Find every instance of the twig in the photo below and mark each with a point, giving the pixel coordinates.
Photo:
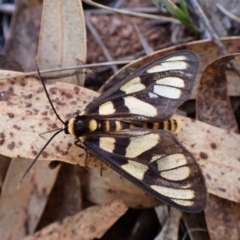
(148, 50)
(227, 13)
(135, 14)
(22, 74)
(100, 42)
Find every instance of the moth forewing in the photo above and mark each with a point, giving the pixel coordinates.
(159, 87)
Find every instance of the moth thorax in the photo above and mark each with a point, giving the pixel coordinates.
(81, 125)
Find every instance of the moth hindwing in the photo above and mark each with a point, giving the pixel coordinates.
(128, 128)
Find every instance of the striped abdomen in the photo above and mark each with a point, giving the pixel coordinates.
(172, 124)
(80, 126)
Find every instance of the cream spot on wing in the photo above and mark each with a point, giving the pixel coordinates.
(135, 169)
(171, 161)
(177, 174)
(166, 66)
(139, 107)
(152, 95)
(107, 144)
(174, 192)
(171, 81)
(82, 113)
(139, 145)
(186, 203)
(156, 157)
(177, 58)
(92, 125)
(133, 85)
(106, 108)
(187, 185)
(82, 138)
(169, 92)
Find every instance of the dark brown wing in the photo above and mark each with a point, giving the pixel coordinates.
(156, 162)
(150, 94)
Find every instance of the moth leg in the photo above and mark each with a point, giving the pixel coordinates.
(78, 143)
(85, 161)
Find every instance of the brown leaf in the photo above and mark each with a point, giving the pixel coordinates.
(214, 107)
(62, 37)
(22, 207)
(90, 223)
(65, 197)
(213, 104)
(21, 45)
(26, 112)
(196, 227)
(223, 219)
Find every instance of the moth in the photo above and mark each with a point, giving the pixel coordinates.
(130, 129)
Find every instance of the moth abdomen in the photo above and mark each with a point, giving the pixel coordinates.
(82, 125)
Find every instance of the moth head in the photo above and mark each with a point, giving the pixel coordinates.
(68, 126)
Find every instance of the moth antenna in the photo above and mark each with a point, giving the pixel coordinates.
(53, 130)
(46, 92)
(36, 158)
(51, 138)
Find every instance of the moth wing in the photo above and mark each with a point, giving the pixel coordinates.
(151, 93)
(156, 162)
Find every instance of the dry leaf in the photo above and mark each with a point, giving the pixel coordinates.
(65, 198)
(24, 103)
(22, 207)
(23, 49)
(62, 40)
(213, 105)
(195, 225)
(162, 213)
(223, 219)
(90, 223)
(21, 45)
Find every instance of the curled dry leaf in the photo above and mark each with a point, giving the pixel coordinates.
(214, 107)
(26, 113)
(90, 223)
(213, 104)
